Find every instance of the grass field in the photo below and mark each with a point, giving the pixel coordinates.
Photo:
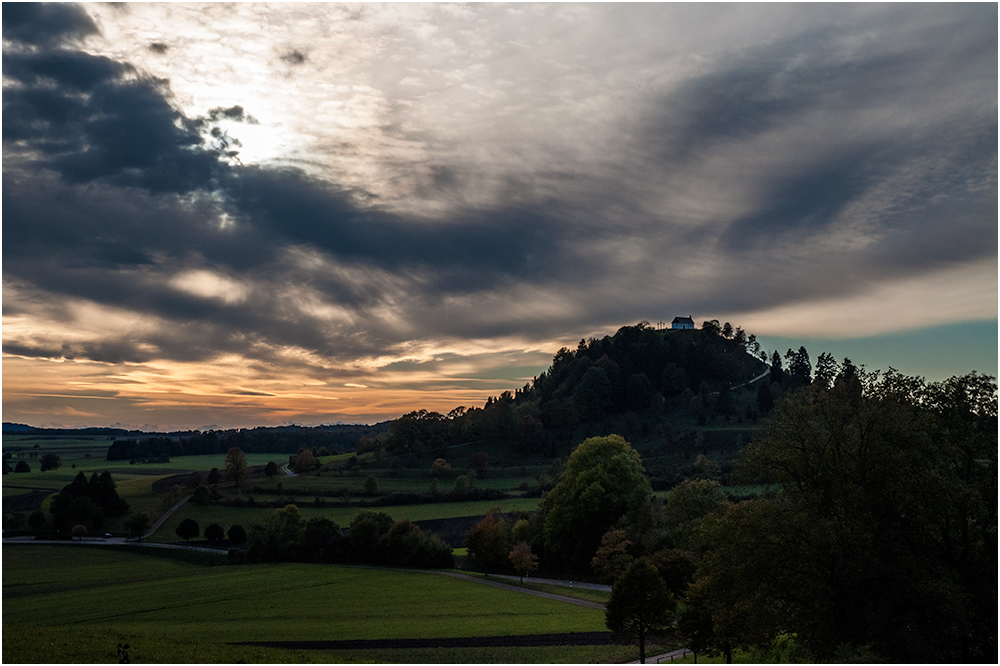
(74, 603)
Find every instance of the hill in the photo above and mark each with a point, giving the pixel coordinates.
(675, 394)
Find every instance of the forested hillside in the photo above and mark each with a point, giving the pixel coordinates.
(675, 393)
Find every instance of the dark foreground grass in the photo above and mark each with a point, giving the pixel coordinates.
(76, 603)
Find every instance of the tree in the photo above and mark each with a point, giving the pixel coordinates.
(603, 482)
(271, 469)
(50, 461)
(371, 485)
(237, 534)
(439, 468)
(79, 531)
(36, 520)
(320, 539)
(137, 524)
(612, 558)
(523, 560)
(188, 529)
(688, 504)
(777, 373)
(478, 461)
(236, 466)
(365, 530)
(21, 467)
(826, 370)
(799, 366)
(214, 532)
(279, 538)
(214, 476)
(201, 495)
(305, 461)
(489, 541)
(593, 394)
(640, 605)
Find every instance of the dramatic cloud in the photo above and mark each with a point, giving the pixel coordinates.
(318, 212)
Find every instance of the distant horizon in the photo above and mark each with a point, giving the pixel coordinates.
(260, 214)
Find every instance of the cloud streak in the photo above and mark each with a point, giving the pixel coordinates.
(349, 190)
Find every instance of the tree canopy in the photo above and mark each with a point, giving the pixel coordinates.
(603, 483)
(640, 604)
(236, 465)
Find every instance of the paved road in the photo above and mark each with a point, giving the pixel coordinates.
(665, 657)
(546, 595)
(554, 581)
(163, 518)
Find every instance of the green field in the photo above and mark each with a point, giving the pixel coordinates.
(72, 603)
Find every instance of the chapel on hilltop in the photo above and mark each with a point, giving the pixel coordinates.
(682, 323)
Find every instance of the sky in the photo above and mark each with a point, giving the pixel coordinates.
(230, 215)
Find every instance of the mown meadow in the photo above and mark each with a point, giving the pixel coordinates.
(75, 603)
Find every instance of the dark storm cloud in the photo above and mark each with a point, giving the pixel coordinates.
(45, 24)
(466, 251)
(89, 118)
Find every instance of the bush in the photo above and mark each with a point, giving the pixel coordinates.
(188, 529)
(237, 534)
(214, 532)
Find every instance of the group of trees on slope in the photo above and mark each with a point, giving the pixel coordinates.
(81, 502)
(879, 544)
(638, 369)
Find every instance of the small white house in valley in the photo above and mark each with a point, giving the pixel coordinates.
(682, 323)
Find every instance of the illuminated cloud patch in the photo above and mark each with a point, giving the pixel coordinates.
(320, 212)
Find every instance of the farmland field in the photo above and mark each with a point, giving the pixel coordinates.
(74, 603)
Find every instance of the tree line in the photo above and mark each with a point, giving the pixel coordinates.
(373, 537)
(323, 440)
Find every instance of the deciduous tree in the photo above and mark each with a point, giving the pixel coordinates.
(50, 461)
(603, 483)
(640, 605)
(188, 529)
(523, 560)
(236, 465)
(237, 534)
(613, 556)
(489, 541)
(214, 532)
(137, 524)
